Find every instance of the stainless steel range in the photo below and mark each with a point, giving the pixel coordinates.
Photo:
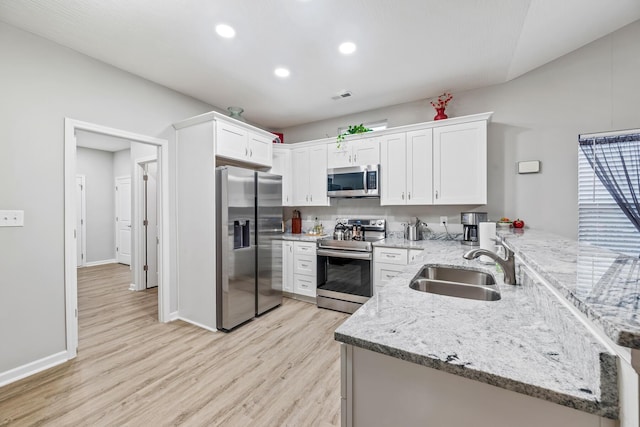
(345, 266)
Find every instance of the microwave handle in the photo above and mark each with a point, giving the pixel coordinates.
(364, 181)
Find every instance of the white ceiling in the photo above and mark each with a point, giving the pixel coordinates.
(407, 49)
(98, 141)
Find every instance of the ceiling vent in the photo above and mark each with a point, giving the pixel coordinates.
(343, 94)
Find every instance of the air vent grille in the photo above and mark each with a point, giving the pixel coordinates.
(341, 95)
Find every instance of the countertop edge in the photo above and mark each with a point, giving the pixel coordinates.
(617, 332)
(595, 407)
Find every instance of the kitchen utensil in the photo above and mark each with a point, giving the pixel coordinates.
(411, 232)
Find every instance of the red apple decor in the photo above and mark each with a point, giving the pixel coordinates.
(518, 223)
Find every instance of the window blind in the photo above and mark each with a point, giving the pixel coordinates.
(601, 222)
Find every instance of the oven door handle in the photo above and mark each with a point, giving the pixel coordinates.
(345, 254)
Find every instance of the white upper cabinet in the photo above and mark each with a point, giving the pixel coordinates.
(309, 178)
(406, 168)
(433, 163)
(238, 143)
(393, 170)
(460, 164)
(419, 167)
(282, 166)
(357, 152)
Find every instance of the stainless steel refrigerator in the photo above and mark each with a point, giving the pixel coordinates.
(248, 245)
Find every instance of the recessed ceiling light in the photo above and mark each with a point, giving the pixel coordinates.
(347, 48)
(282, 72)
(225, 31)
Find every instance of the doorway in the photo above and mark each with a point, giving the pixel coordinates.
(123, 219)
(71, 231)
(146, 178)
(81, 233)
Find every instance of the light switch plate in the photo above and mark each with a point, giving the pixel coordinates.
(531, 166)
(11, 218)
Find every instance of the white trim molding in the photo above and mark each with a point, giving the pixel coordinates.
(70, 276)
(34, 367)
(200, 325)
(101, 262)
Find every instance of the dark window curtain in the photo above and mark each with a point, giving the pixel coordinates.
(616, 162)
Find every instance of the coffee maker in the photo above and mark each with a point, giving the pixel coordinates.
(470, 221)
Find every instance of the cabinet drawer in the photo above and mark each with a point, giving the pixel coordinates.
(304, 285)
(304, 264)
(304, 248)
(385, 272)
(390, 255)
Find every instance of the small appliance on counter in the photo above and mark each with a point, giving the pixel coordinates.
(470, 221)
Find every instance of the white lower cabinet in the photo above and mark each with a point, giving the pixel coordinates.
(389, 262)
(287, 266)
(380, 390)
(299, 268)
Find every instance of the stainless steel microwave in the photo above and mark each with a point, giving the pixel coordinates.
(354, 181)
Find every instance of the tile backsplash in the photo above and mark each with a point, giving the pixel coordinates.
(396, 216)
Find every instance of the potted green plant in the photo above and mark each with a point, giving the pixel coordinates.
(352, 130)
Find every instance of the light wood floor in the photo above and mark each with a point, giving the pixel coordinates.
(281, 369)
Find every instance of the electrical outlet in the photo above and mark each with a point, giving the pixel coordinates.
(444, 220)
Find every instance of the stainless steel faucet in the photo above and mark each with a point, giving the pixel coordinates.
(508, 265)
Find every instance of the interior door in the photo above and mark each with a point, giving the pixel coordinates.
(151, 224)
(123, 220)
(80, 221)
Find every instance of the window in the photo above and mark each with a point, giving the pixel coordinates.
(379, 125)
(601, 221)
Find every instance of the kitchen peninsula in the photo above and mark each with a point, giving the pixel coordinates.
(450, 361)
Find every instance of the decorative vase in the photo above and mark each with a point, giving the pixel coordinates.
(441, 115)
(235, 113)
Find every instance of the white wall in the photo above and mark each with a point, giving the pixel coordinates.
(538, 116)
(98, 166)
(42, 83)
(122, 163)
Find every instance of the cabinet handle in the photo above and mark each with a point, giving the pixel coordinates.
(246, 151)
(354, 158)
(306, 197)
(409, 195)
(436, 194)
(403, 195)
(251, 152)
(311, 198)
(349, 158)
(290, 248)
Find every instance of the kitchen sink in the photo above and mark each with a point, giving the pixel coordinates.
(458, 275)
(456, 282)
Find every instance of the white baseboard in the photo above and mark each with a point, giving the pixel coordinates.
(32, 368)
(200, 325)
(103, 262)
(173, 316)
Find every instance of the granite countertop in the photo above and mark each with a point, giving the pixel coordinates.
(303, 237)
(505, 343)
(604, 285)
